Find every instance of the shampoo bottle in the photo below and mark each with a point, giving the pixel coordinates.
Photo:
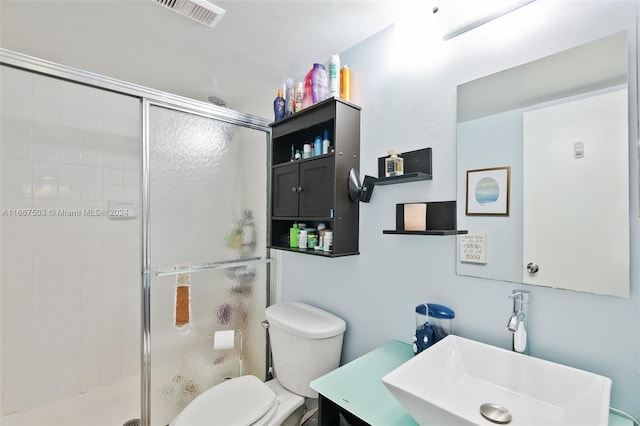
(278, 106)
(317, 146)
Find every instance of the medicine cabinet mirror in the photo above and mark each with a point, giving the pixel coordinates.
(561, 124)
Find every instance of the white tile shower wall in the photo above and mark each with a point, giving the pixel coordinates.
(70, 282)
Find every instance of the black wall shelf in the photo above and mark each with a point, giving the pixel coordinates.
(433, 232)
(417, 167)
(407, 177)
(440, 219)
(314, 252)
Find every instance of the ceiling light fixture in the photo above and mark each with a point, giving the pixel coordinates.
(459, 16)
(199, 10)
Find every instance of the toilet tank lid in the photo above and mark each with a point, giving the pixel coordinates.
(305, 320)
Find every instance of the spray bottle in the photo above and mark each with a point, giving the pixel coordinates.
(345, 83)
(288, 97)
(334, 76)
(299, 96)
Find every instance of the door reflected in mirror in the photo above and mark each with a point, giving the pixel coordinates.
(561, 124)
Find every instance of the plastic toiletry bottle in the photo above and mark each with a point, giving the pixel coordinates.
(312, 238)
(288, 97)
(299, 97)
(345, 83)
(317, 146)
(393, 165)
(293, 236)
(328, 240)
(307, 97)
(325, 142)
(297, 155)
(334, 76)
(306, 150)
(302, 239)
(293, 153)
(278, 106)
(319, 84)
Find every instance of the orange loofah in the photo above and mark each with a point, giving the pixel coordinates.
(182, 305)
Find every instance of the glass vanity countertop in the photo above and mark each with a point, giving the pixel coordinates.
(357, 387)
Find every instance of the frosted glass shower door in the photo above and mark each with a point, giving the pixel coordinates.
(207, 256)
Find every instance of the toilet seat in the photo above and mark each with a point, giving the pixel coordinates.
(240, 401)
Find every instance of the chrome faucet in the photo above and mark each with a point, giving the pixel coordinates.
(518, 322)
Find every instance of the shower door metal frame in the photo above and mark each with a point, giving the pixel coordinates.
(147, 272)
(149, 97)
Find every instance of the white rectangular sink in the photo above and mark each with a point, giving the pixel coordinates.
(447, 384)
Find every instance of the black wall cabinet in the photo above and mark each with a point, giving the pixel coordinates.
(315, 190)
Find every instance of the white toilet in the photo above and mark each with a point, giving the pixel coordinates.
(306, 343)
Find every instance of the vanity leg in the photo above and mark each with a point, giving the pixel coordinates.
(328, 412)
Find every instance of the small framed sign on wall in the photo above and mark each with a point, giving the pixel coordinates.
(473, 248)
(488, 191)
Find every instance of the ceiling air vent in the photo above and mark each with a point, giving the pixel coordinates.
(199, 10)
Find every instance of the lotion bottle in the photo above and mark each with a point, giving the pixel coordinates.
(317, 146)
(325, 142)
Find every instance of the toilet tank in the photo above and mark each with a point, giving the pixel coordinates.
(306, 343)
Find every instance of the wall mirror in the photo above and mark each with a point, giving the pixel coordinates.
(560, 126)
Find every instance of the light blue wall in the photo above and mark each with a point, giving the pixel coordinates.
(408, 102)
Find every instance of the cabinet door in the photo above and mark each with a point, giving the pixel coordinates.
(285, 190)
(317, 182)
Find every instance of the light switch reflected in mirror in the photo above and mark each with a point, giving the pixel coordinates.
(561, 124)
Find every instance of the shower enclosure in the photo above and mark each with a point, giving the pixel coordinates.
(133, 247)
(205, 267)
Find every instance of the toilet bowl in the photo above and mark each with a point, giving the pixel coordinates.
(306, 343)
